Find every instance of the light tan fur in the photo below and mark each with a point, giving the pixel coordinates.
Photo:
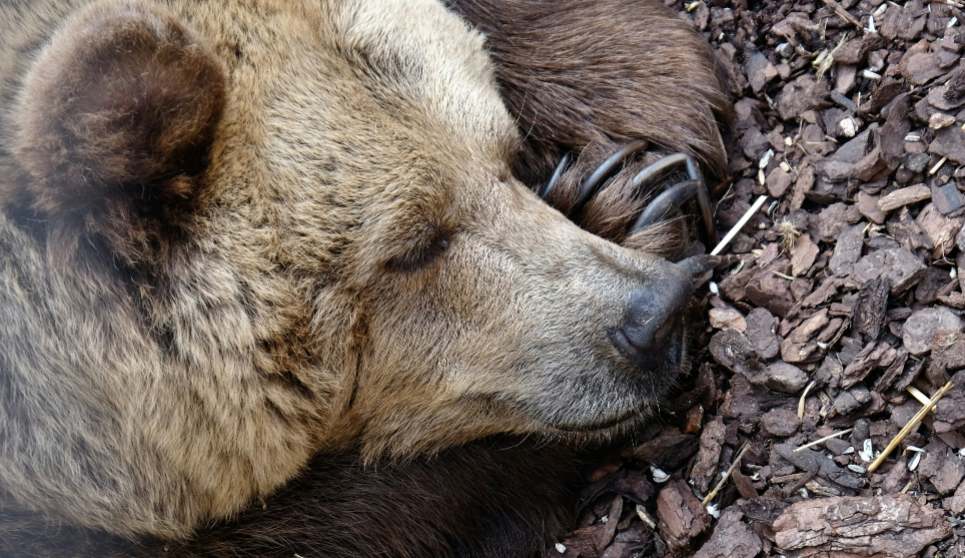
(176, 344)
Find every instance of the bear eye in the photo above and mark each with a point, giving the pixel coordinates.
(422, 254)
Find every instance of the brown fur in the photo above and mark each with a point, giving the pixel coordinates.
(587, 77)
(332, 258)
(647, 77)
(465, 503)
(90, 120)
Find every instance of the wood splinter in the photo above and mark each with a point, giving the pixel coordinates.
(917, 394)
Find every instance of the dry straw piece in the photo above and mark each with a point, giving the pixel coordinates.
(910, 427)
(822, 440)
(720, 484)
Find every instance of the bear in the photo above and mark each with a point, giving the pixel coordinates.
(289, 252)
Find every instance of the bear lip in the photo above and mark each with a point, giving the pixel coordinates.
(607, 424)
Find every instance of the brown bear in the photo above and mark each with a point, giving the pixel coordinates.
(277, 267)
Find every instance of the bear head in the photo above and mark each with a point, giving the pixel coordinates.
(273, 229)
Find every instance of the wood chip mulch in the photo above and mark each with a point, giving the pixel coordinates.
(843, 315)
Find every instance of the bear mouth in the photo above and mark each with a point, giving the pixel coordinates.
(628, 417)
(656, 383)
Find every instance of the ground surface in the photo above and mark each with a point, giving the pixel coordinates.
(849, 291)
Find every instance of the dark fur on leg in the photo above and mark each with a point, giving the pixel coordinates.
(589, 76)
(582, 72)
(493, 498)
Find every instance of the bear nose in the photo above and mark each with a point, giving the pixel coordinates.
(653, 315)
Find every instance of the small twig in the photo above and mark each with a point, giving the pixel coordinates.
(720, 484)
(645, 517)
(740, 225)
(799, 484)
(843, 13)
(822, 440)
(938, 165)
(910, 427)
(917, 394)
(802, 401)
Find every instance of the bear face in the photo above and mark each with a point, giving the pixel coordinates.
(258, 231)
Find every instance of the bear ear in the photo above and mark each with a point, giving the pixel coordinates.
(121, 105)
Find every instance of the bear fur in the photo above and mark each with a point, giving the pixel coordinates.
(285, 252)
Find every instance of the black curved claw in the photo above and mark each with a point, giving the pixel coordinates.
(657, 168)
(671, 198)
(597, 179)
(561, 167)
(677, 195)
(697, 265)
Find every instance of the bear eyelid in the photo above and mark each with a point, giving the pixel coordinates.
(422, 254)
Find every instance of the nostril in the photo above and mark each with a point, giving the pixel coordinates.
(651, 319)
(664, 332)
(650, 334)
(643, 345)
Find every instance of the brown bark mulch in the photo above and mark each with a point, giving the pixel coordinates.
(844, 314)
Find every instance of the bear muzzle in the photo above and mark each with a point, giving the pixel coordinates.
(651, 340)
(651, 333)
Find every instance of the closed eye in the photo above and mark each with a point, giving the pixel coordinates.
(422, 254)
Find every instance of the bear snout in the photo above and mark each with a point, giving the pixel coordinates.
(653, 319)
